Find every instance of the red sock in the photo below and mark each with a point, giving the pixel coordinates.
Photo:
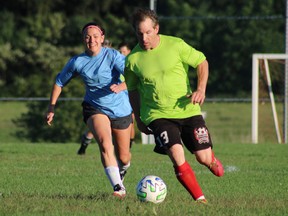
(187, 178)
(216, 167)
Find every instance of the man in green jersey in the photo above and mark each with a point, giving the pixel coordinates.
(156, 74)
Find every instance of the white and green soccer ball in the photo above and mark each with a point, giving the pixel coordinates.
(151, 189)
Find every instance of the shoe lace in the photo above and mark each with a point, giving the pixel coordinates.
(117, 187)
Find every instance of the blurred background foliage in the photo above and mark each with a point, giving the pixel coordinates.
(38, 37)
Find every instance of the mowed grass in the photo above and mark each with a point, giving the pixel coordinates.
(227, 122)
(9, 111)
(51, 179)
(231, 122)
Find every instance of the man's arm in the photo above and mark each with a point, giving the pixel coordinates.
(135, 103)
(198, 96)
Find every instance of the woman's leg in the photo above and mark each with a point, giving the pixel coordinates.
(122, 148)
(99, 125)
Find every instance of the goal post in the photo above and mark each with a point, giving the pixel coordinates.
(255, 93)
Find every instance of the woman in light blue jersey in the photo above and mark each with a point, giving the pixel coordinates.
(106, 107)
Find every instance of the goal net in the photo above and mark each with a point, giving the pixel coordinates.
(265, 67)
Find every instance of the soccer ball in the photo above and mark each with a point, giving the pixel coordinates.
(151, 189)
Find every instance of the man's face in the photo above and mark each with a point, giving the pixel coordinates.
(147, 34)
(124, 50)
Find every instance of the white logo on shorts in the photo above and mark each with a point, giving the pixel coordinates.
(201, 134)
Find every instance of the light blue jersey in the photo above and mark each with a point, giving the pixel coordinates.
(99, 73)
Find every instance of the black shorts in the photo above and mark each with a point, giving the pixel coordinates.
(192, 132)
(116, 123)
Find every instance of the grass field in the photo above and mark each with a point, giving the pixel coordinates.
(8, 111)
(227, 122)
(50, 179)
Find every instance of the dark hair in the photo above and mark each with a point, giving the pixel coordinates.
(141, 14)
(122, 44)
(93, 24)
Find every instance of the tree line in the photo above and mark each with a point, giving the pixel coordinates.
(37, 38)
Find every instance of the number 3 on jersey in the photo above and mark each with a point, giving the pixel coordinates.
(163, 138)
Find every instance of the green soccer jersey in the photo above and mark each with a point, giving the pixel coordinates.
(161, 77)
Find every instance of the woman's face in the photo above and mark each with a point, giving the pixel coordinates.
(93, 40)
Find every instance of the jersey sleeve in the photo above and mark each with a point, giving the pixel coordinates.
(130, 78)
(119, 63)
(190, 55)
(67, 73)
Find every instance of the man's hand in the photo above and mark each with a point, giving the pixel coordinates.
(197, 97)
(143, 128)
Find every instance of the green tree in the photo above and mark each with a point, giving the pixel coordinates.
(228, 32)
(37, 38)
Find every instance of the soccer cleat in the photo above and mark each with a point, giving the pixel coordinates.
(122, 175)
(84, 144)
(82, 149)
(202, 201)
(119, 191)
(131, 142)
(216, 167)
